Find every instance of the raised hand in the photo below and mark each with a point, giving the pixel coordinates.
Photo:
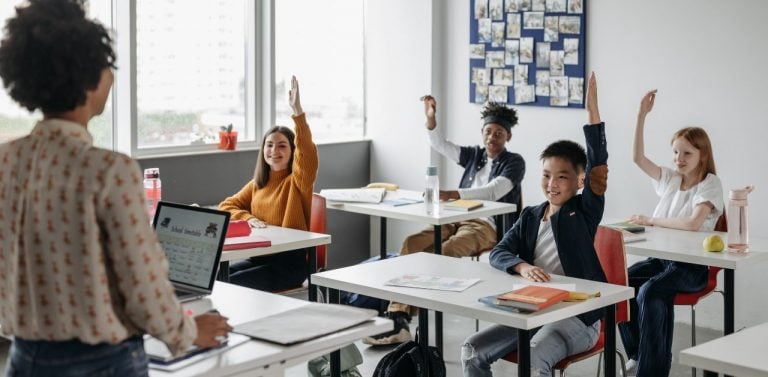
(293, 97)
(646, 104)
(592, 111)
(430, 110)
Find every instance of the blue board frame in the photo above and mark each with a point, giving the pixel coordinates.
(577, 70)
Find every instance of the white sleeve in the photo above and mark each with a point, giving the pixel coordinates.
(663, 183)
(493, 190)
(444, 147)
(710, 190)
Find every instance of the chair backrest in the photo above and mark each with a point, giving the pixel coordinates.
(720, 226)
(317, 224)
(609, 244)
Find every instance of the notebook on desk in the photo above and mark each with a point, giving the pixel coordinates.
(192, 239)
(161, 358)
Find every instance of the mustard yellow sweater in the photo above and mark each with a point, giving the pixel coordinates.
(287, 198)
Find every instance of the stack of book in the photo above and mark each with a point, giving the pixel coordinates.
(530, 299)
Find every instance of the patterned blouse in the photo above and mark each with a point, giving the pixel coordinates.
(78, 259)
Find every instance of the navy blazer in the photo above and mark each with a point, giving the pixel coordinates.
(573, 226)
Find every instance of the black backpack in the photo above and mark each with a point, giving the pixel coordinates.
(407, 360)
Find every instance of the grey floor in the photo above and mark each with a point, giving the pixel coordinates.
(457, 328)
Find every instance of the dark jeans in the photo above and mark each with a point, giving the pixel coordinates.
(648, 337)
(73, 358)
(276, 272)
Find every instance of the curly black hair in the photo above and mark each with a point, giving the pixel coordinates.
(52, 54)
(500, 112)
(569, 151)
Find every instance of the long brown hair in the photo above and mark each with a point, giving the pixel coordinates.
(699, 139)
(261, 175)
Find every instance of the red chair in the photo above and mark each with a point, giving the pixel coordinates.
(609, 244)
(317, 224)
(692, 298)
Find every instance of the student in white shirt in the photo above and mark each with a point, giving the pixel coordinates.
(691, 198)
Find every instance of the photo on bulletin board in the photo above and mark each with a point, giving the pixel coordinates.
(528, 52)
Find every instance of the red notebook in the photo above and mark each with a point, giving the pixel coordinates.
(249, 242)
(238, 228)
(532, 298)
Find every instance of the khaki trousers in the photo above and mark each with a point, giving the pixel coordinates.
(460, 239)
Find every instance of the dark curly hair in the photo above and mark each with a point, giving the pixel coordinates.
(52, 54)
(499, 113)
(569, 151)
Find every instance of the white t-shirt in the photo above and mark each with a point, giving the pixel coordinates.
(680, 203)
(545, 255)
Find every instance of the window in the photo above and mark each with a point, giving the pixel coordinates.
(321, 42)
(190, 71)
(188, 67)
(16, 121)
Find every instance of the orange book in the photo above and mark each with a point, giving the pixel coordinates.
(532, 298)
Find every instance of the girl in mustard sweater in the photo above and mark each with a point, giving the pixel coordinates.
(280, 194)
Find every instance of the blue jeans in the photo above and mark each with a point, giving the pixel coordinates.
(73, 358)
(648, 337)
(550, 344)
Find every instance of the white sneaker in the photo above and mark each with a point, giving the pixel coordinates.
(631, 368)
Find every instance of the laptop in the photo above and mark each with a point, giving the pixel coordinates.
(192, 239)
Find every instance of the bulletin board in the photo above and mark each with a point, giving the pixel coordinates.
(528, 52)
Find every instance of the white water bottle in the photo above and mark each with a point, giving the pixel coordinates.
(432, 192)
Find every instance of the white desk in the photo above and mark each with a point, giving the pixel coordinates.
(739, 354)
(257, 358)
(282, 239)
(418, 213)
(369, 278)
(685, 246)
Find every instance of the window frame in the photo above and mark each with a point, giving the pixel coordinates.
(125, 104)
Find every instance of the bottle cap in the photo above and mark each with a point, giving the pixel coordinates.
(432, 170)
(152, 173)
(740, 193)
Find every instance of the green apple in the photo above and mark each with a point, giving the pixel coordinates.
(713, 243)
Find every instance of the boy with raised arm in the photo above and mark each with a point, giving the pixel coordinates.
(554, 237)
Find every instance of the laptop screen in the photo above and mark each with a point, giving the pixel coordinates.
(192, 238)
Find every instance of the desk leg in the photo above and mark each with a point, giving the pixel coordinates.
(311, 269)
(424, 336)
(524, 353)
(223, 274)
(438, 242)
(609, 350)
(333, 298)
(383, 238)
(730, 302)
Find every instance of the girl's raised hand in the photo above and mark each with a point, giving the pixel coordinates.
(293, 97)
(646, 104)
(592, 111)
(430, 109)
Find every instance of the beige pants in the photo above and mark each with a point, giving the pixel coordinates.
(459, 240)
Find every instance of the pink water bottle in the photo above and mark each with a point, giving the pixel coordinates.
(152, 189)
(738, 233)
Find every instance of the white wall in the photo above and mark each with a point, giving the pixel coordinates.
(398, 37)
(706, 58)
